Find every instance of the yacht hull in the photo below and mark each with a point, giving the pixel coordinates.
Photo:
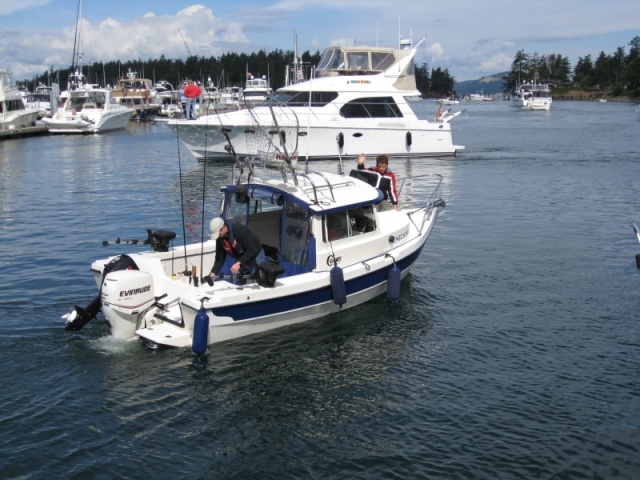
(205, 139)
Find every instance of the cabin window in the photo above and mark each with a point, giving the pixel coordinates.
(295, 235)
(381, 60)
(374, 107)
(358, 61)
(332, 59)
(237, 207)
(318, 99)
(13, 105)
(349, 223)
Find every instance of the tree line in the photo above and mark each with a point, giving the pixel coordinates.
(230, 69)
(618, 72)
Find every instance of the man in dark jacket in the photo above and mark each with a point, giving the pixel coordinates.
(389, 188)
(241, 244)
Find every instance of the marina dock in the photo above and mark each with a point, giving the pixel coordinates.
(23, 132)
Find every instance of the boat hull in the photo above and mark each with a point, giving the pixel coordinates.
(96, 123)
(18, 119)
(237, 311)
(539, 104)
(395, 137)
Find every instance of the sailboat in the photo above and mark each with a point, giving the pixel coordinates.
(86, 107)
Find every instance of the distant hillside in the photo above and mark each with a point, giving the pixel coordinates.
(488, 85)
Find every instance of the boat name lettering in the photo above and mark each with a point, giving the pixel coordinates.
(333, 260)
(135, 291)
(282, 157)
(401, 236)
(358, 81)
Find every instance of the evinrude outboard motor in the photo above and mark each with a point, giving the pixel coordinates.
(126, 295)
(79, 317)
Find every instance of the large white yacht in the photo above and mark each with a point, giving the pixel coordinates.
(13, 112)
(534, 96)
(358, 102)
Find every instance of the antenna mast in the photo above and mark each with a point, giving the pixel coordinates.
(185, 43)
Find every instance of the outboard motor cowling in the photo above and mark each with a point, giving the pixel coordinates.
(126, 294)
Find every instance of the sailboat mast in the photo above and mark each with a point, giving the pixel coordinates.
(76, 41)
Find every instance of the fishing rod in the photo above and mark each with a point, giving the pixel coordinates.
(204, 187)
(118, 241)
(160, 238)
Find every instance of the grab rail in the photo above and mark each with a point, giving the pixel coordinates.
(431, 200)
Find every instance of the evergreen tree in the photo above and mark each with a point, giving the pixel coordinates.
(583, 73)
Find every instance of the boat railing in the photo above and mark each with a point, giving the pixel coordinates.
(325, 185)
(432, 181)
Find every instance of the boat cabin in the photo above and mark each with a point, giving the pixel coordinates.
(87, 99)
(355, 61)
(302, 224)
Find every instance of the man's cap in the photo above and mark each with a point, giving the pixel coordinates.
(215, 226)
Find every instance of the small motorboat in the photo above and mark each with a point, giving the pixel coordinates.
(89, 110)
(330, 248)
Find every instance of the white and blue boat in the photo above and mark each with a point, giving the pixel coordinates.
(331, 249)
(156, 298)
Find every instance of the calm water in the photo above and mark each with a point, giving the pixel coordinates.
(514, 352)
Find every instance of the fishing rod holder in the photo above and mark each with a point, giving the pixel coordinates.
(160, 239)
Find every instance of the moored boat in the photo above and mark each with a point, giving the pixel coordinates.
(13, 112)
(256, 89)
(89, 111)
(137, 93)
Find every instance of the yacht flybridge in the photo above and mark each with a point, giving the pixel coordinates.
(360, 101)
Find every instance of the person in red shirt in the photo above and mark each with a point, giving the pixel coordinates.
(192, 92)
(390, 189)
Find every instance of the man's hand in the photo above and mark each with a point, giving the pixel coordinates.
(362, 158)
(235, 268)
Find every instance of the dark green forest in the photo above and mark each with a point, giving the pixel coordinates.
(228, 70)
(618, 72)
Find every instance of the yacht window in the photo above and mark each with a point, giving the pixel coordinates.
(13, 105)
(318, 99)
(374, 107)
(358, 61)
(381, 61)
(332, 59)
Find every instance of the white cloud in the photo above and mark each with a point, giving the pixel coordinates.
(11, 6)
(468, 37)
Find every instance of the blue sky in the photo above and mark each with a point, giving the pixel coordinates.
(470, 38)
